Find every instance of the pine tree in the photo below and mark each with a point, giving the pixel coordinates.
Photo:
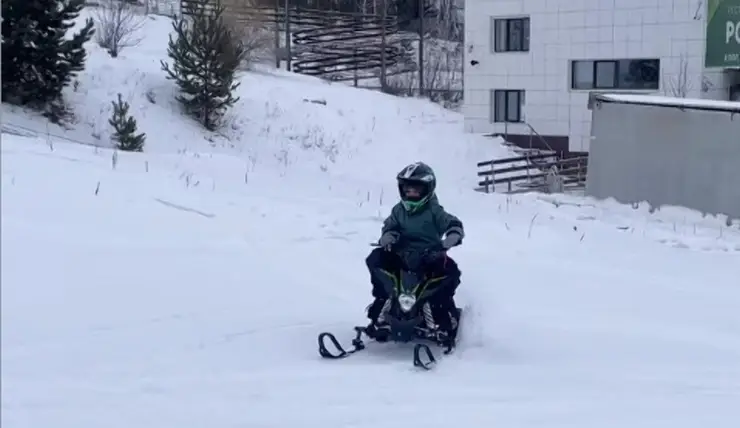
(38, 61)
(125, 128)
(205, 56)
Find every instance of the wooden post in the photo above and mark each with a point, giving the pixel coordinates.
(382, 45)
(421, 48)
(277, 33)
(288, 53)
(493, 177)
(354, 58)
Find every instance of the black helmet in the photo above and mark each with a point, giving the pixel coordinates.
(420, 177)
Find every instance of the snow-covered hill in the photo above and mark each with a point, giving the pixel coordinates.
(184, 287)
(282, 119)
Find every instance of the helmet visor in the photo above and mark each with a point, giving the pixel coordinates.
(413, 191)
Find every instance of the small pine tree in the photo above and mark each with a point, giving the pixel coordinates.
(205, 57)
(38, 60)
(125, 128)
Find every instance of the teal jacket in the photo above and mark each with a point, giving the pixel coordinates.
(424, 229)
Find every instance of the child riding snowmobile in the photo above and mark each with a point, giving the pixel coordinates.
(419, 223)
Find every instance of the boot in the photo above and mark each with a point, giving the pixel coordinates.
(374, 309)
(445, 316)
(377, 324)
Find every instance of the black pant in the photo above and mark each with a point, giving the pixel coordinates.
(445, 266)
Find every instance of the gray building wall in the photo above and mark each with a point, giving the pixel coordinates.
(665, 156)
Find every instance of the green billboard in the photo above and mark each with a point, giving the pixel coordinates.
(723, 34)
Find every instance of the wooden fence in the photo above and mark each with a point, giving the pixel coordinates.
(543, 171)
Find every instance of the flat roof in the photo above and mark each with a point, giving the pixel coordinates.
(692, 103)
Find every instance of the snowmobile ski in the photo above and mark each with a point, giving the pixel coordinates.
(424, 357)
(357, 345)
(428, 361)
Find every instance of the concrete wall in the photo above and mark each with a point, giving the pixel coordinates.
(666, 156)
(564, 30)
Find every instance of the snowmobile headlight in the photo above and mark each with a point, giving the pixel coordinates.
(406, 301)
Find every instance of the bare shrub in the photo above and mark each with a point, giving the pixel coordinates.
(678, 84)
(252, 28)
(402, 84)
(442, 61)
(442, 75)
(117, 23)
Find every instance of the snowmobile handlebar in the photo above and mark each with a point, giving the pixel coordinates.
(441, 249)
(413, 257)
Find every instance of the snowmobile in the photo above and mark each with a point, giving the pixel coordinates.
(407, 313)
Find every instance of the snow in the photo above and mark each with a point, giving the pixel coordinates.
(185, 286)
(131, 298)
(279, 115)
(697, 103)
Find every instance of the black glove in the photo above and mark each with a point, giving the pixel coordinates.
(388, 239)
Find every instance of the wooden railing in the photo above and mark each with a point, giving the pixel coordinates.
(546, 171)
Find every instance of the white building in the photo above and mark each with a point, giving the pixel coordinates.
(531, 64)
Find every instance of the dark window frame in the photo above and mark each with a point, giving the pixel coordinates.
(518, 43)
(734, 92)
(616, 83)
(503, 116)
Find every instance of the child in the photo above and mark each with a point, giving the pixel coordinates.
(418, 222)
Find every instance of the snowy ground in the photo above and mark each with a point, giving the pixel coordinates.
(185, 286)
(134, 297)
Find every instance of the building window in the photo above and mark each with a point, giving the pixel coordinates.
(507, 105)
(627, 74)
(511, 35)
